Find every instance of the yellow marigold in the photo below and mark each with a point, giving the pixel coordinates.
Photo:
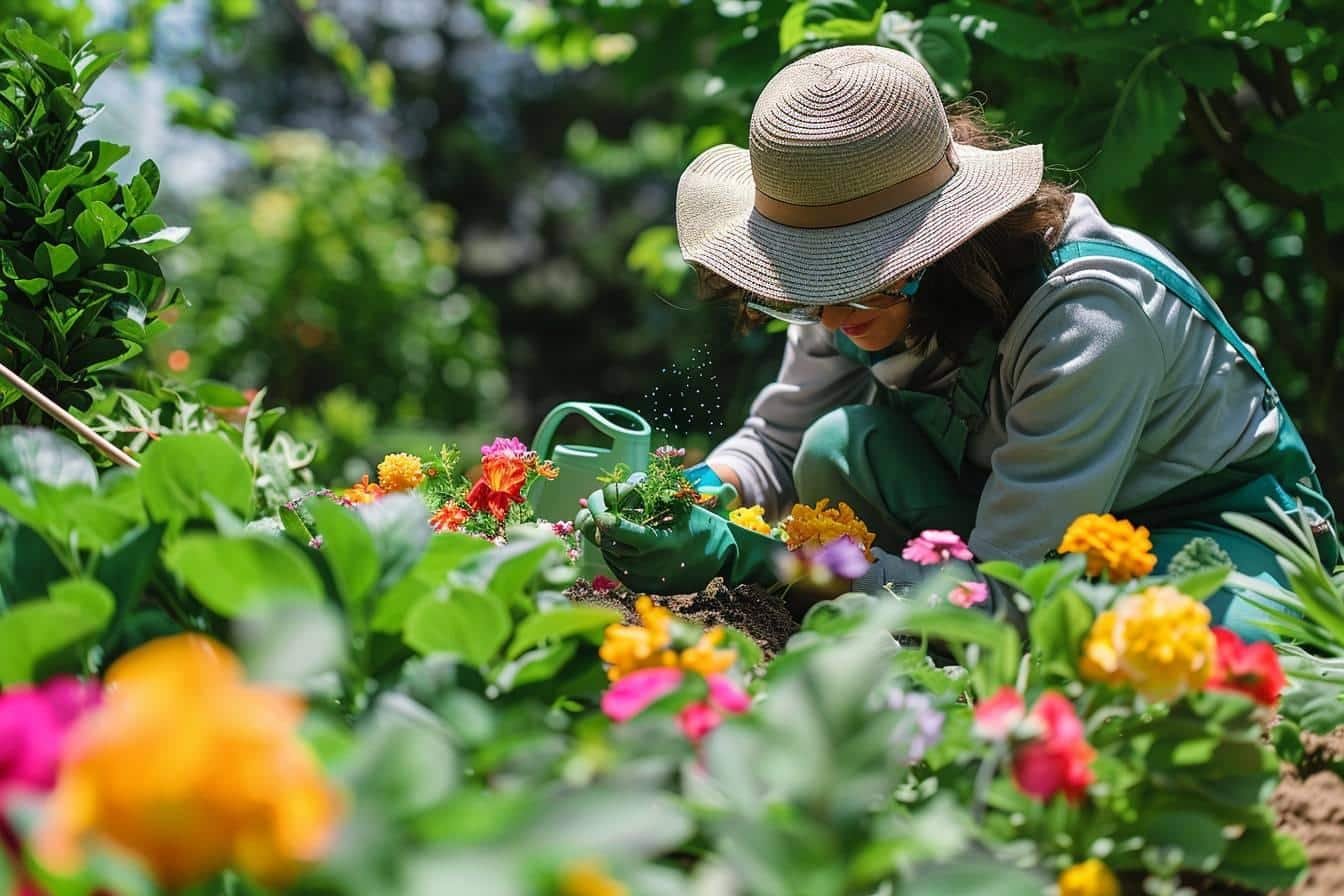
(1157, 641)
(1090, 878)
(822, 525)
(363, 492)
(587, 878)
(752, 518)
(400, 472)
(1113, 546)
(629, 648)
(191, 770)
(705, 657)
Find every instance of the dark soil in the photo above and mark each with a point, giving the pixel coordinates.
(749, 609)
(1309, 800)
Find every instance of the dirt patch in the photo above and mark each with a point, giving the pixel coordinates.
(751, 610)
(1309, 802)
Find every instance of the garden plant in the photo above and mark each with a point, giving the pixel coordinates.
(223, 671)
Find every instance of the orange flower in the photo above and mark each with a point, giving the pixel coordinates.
(1157, 641)
(501, 484)
(449, 517)
(363, 492)
(191, 770)
(1113, 546)
(704, 656)
(821, 525)
(400, 472)
(630, 648)
(547, 470)
(587, 878)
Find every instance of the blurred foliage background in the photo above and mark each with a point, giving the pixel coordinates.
(436, 218)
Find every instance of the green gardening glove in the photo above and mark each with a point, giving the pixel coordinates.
(680, 557)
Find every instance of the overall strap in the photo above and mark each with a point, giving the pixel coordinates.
(1185, 289)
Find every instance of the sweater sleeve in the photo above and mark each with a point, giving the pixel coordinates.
(814, 378)
(1081, 380)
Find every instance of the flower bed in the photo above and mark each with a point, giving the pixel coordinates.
(353, 696)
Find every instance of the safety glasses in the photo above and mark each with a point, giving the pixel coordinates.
(798, 313)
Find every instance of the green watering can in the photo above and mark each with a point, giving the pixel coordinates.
(580, 465)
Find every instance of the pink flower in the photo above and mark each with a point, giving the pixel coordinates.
(968, 594)
(564, 528)
(699, 719)
(633, 693)
(936, 546)
(997, 717)
(1060, 759)
(511, 446)
(602, 583)
(34, 722)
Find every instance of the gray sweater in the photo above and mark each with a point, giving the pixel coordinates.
(1110, 392)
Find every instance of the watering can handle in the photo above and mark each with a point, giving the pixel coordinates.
(596, 414)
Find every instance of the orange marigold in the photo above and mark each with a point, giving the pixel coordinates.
(1116, 547)
(449, 517)
(705, 657)
(400, 472)
(363, 492)
(822, 525)
(629, 648)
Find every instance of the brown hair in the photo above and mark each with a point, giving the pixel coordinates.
(973, 286)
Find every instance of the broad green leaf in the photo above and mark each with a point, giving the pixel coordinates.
(42, 52)
(1204, 65)
(54, 182)
(35, 632)
(937, 42)
(601, 821)
(162, 239)
(1003, 570)
(55, 262)
(1315, 706)
(540, 664)
(40, 455)
(177, 472)
(102, 156)
(1058, 626)
(126, 566)
(1264, 860)
(28, 565)
(347, 548)
(399, 525)
(507, 570)
(1198, 836)
(560, 622)
(98, 223)
(239, 573)
(446, 552)
(1312, 134)
(291, 644)
(33, 286)
(812, 23)
(467, 623)
(1143, 120)
(1203, 583)
(1018, 34)
(973, 877)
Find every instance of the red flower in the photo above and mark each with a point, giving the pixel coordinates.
(997, 716)
(1059, 760)
(1249, 669)
(449, 518)
(501, 484)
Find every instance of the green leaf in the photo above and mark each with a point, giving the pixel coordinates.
(1198, 836)
(1018, 34)
(809, 24)
(1205, 66)
(125, 567)
(347, 548)
(1312, 134)
(32, 633)
(54, 183)
(468, 624)
(446, 552)
(1003, 570)
(935, 41)
(33, 286)
(41, 52)
(399, 525)
(233, 574)
(1316, 706)
(1142, 121)
(177, 472)
(137, 196)
(56, 262)
(102, 156)
(972, 877)
(541, 664)
(1058, 626)
(1203, 583)
(99, 225)
(1265, 860)
(508, 570)
(560, 622)
(162, 239)
(40, 455)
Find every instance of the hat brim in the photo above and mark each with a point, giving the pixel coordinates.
(719, 228)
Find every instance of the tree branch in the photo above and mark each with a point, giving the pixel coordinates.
(1262, 83)
(1228, 155)
(1283, 82)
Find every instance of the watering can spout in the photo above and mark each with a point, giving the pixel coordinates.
(625, 438)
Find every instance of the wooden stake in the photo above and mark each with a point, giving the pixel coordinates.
(67, 420)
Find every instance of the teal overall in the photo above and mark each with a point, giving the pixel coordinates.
(849, 455)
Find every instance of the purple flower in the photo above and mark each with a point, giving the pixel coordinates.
(502, 445)
(936, 546)
(920, 726)
(843, 557)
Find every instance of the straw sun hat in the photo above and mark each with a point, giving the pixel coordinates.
(851, 182)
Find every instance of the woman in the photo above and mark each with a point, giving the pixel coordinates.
(971, 347)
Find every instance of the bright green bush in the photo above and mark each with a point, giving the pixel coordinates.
(333, 271)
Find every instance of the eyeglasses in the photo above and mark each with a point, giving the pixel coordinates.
(799, 313)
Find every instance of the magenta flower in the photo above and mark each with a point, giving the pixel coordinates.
(699, 719)
(564, 528)
(34, 722)
(511, 446)
(602, 583)
(634, 693)
(968, 594)
(936, 546)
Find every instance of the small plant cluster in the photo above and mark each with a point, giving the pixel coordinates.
(661, 492)
(484, 507)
